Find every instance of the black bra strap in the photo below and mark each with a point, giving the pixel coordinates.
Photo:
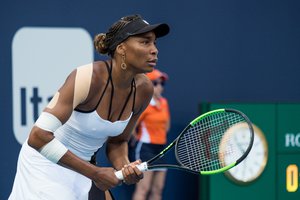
(109, 74)
(128, 97)
(133, 95)
(112, 90)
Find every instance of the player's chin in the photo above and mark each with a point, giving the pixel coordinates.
(149, 68)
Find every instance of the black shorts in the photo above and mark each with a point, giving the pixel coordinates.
(97, 194)
(145, 151)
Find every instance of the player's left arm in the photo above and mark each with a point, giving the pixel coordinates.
(117, 147)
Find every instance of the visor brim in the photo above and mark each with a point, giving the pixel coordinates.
(160, 30)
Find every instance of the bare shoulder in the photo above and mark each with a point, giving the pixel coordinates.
(93, 72)
(100, 74)
(91, 78)
(144, 92)
(144, 84)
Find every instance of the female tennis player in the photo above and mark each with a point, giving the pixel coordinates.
(99, 102)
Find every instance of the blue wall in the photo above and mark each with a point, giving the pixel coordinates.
(240, 51)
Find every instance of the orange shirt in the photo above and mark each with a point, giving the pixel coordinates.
(153, 123)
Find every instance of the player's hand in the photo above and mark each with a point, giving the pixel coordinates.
(105, 178)
(131, 173)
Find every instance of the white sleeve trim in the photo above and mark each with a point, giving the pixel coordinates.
(48, 122)
(53, 150)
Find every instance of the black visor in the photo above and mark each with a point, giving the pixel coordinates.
(137, 27)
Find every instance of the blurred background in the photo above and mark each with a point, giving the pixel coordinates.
(240, 54)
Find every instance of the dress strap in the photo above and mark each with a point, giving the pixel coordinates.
(128, 97)
(112, 89)
(134, 85)
(108, 80)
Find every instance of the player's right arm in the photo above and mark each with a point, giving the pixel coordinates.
(73, 92)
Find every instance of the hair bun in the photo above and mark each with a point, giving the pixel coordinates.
(100, 44)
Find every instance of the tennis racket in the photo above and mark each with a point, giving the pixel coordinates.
(208, 144)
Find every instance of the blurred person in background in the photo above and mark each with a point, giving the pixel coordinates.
(150, 138)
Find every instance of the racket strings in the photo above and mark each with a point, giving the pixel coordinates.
(204, 147)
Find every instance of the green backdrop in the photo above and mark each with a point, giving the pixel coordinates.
(280, 124)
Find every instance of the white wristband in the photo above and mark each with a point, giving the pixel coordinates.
(53, 150)
(48, 122)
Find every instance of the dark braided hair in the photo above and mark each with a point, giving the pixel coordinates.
(103, 41)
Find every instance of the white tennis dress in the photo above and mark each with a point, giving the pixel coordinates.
(37, 178)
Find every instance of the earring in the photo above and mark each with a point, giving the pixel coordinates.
(123, 64)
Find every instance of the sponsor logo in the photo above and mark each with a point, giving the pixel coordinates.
(42, 58)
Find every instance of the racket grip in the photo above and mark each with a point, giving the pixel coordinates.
(142, 167)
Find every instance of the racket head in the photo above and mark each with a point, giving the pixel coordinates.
(207, 145)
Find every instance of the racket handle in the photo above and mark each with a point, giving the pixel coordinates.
(142, 167)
